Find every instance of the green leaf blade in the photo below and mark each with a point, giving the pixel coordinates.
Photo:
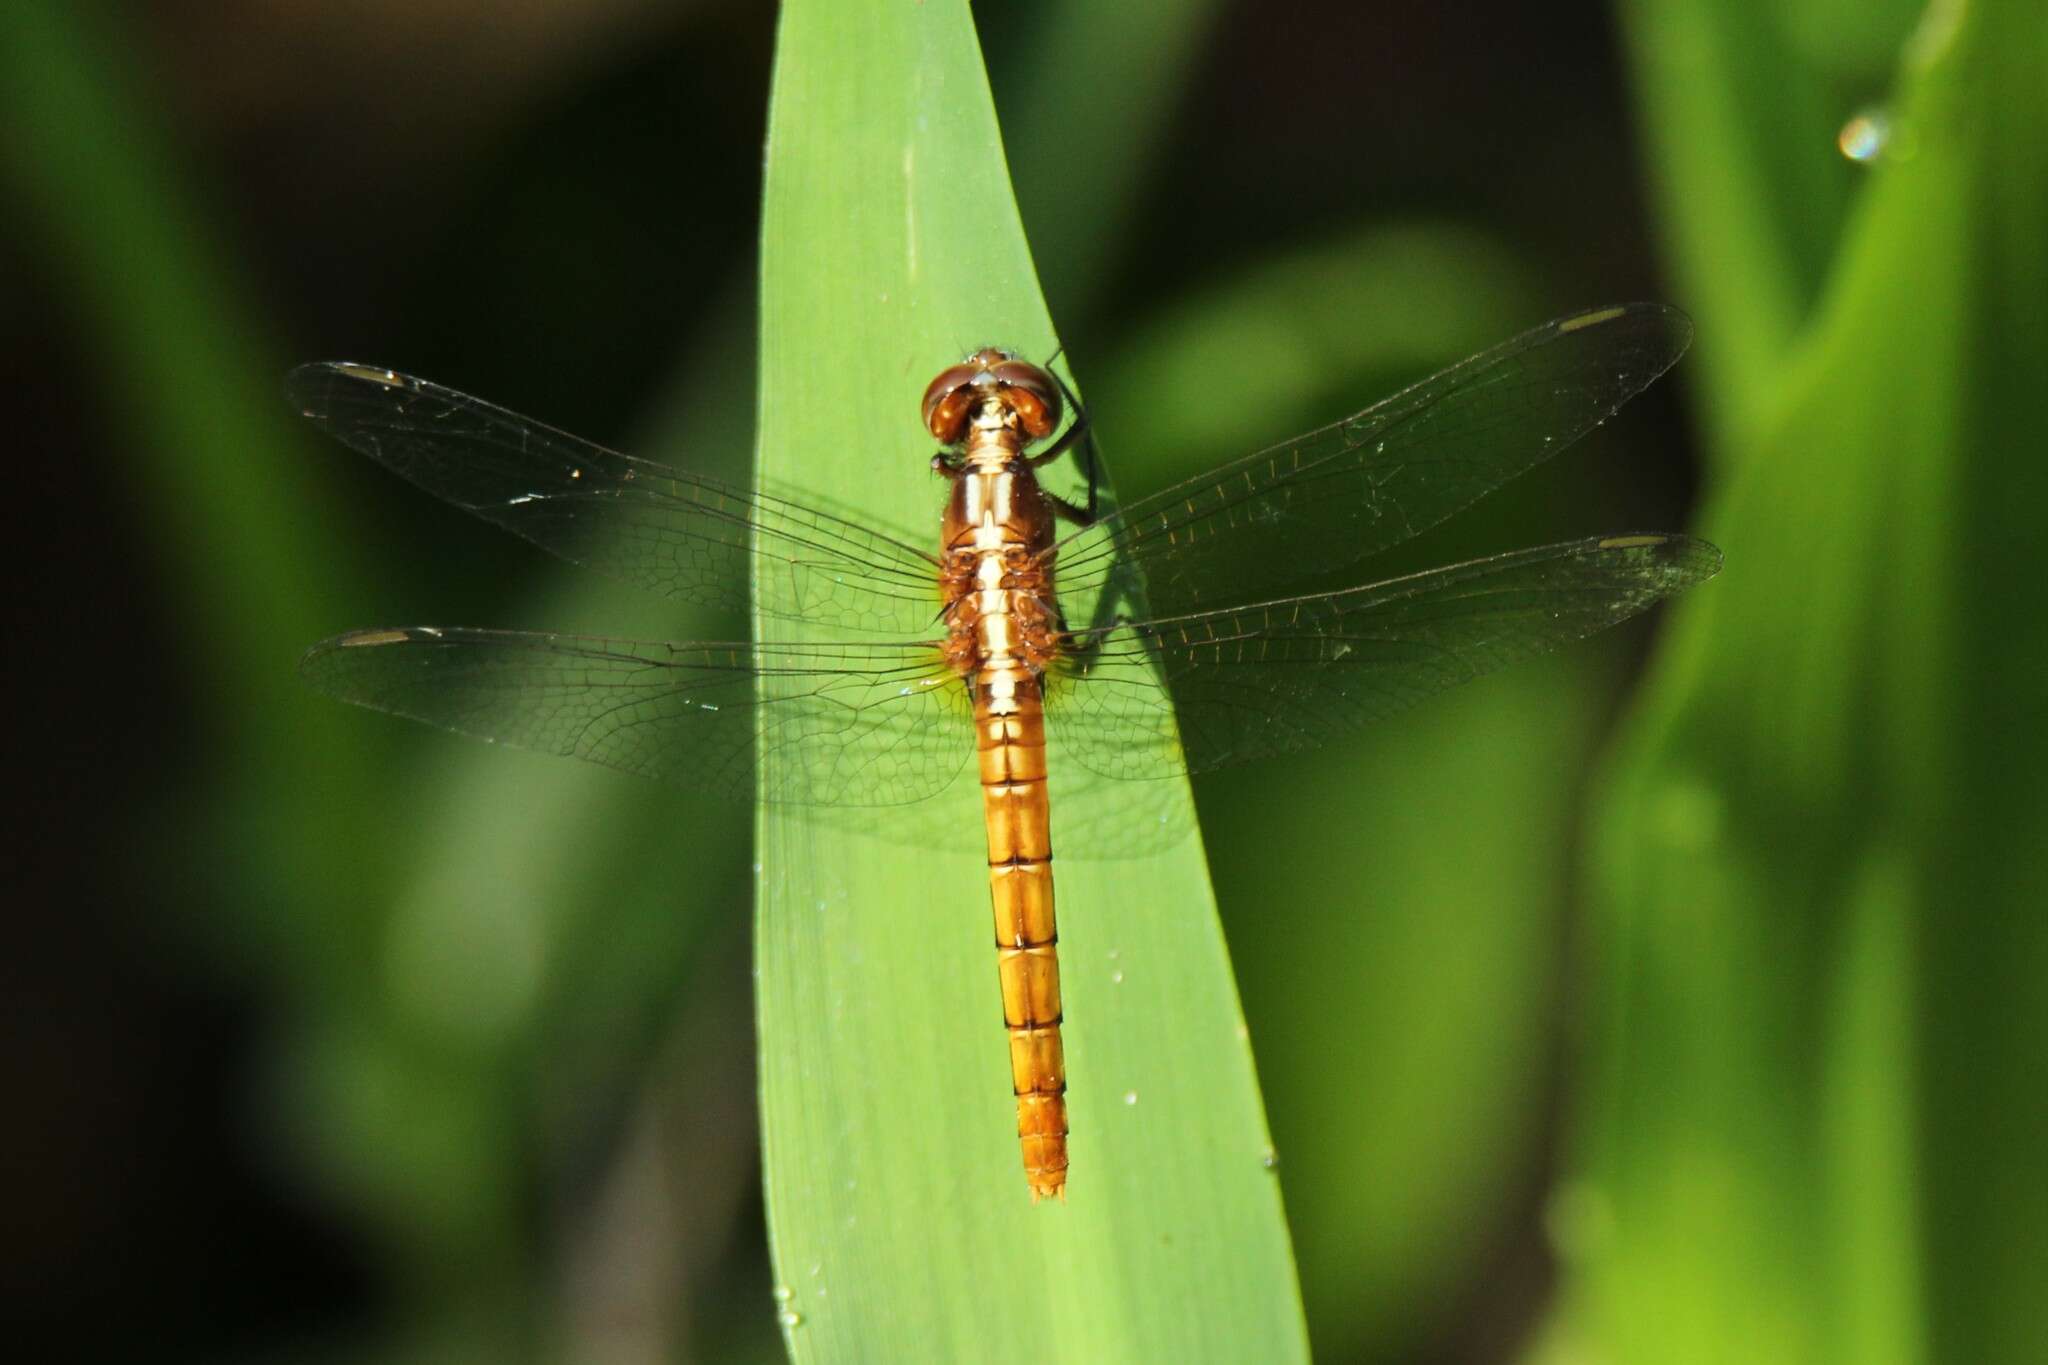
(898, 1213)
(1816, 866)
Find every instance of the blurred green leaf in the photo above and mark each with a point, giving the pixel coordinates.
(897, 1209)
(217, 475)
(1088, 106)
(1420, 897)
(203, 419)
(1751, 192)
(1810, 1127)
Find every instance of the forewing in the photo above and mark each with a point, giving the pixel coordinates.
(844, 724)
(680, 534)
(1211, 689)
(1338, 494)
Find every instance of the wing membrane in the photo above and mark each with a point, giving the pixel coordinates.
(1248, 682)
(1338, 494)
(852, 724)
(679, 534)
(1200, 685)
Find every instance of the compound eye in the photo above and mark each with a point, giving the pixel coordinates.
(947, 402)
(1031, 393)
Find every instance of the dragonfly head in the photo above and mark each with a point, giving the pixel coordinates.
(992, 387)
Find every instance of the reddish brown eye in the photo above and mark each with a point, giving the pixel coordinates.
(1031, 394)
(947, 401)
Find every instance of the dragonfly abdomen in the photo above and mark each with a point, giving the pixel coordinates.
(1010, 737)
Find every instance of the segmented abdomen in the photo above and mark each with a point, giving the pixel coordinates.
(1009, 722)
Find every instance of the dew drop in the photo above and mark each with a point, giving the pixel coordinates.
(790, 1318)
(1130, 1097)
(1116, 978)
(783, 1293)
(1864, 138)
(1269, 1158)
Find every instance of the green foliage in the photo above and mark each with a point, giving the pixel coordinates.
(1808, 1136)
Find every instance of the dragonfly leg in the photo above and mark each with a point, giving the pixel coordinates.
(1081, 648)
(1079, 433)
(1069, 511)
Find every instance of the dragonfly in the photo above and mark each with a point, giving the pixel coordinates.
(1165, 637)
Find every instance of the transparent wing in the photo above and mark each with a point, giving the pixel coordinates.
(1335, 495)
(1248, 682)
(854, 724)
(680, 534)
